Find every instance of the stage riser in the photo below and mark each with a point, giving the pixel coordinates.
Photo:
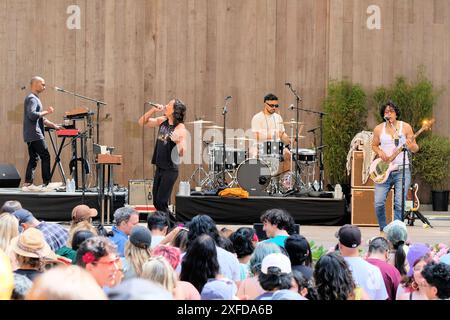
(306, 211)
(58, 206)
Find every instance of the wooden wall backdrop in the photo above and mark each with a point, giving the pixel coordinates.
(131, 51)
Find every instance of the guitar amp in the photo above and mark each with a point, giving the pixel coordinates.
(140, 192)
(357, 166)
(363, 207)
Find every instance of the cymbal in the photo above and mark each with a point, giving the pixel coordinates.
(201, 121)
(214, 127)
(241, 139)
(292, 122)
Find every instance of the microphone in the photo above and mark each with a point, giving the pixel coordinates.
(228, 98)
(150, 103)
(59, 89)
(313, 129)
(386, 118)
(291, 107)
(287, 84)
(23, 88)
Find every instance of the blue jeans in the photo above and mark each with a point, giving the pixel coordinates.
(381, 192)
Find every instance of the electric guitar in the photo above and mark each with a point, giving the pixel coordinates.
(379, 170)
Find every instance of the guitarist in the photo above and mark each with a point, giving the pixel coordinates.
(387, 137)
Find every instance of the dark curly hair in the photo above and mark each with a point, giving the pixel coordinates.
(98, 246)
(333, 278)
(202, 224)
(438, 275)
(281, 218)
(242, 241)
(179, 112)
(391, 104)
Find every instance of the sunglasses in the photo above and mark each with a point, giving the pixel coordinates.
(273, 105)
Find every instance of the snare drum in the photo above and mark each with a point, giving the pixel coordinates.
(271, 149)
(233, 157)
(306, 155)
(253, 175)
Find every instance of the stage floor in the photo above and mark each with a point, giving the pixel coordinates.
(57, 206)
(310, 211)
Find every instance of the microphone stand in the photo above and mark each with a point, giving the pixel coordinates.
(297, 107)
(224, 113)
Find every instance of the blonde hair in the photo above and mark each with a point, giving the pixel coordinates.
(9, 228)
(159, 270)
(136, 256)
(66, 283)
(75, 227)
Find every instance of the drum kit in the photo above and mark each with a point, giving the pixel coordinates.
(260, 172)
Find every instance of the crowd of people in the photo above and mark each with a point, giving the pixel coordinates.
(195, 261)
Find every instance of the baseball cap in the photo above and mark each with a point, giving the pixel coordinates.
(349, 236)
(23, 215)
(219, 289)
(83, 212)
(416, 252)
(278, 260)
(141, 237)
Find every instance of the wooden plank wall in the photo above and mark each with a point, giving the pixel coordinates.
(130, 51)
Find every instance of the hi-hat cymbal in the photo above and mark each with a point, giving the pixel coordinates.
(214, 127)
(241, 139)
(201, 121)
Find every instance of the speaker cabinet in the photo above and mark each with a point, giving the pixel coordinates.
(357, 165)
(9, 176)
(363, 207)
(140, 192)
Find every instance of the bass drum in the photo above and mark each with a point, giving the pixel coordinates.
(253, 175)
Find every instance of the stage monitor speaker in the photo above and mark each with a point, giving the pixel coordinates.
(357, 165)
(140, 192)
(363, 207)
(262, 234)
(9, 176)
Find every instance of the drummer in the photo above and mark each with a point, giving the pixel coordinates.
(267, 125)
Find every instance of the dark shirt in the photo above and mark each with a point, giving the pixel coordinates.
(391, 276)
(165, 148)
(307, 272)
(33, 124)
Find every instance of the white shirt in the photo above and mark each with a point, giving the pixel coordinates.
(264, 124)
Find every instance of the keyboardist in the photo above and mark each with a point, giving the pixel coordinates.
(33, 132)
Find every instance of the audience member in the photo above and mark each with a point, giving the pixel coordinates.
(98, 255)
(397, 235)
(219, 289)
(437, 281)
(300, 254)
(66, 283)
(250, 287)
(55, 235)
(9, 228)
(137, 252)
(333, 280)
(228, 263)
(32, 253)
(378, 255)
(276, 274)
(411, 288)
(75, 239)
(181, 239)
(302, 285)
(139, 289)
(6, 277)
(243, 240)
(10, 206)
(159, 270)
(365, 275)
(158, 224)
(22, 285)
(278, 225)
(125, 219)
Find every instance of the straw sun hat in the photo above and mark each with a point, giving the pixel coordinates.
(31, 243)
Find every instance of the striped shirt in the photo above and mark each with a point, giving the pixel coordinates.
(55, 235)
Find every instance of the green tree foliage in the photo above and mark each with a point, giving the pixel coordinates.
(345, 106)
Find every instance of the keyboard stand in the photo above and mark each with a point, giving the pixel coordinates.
(57, 157)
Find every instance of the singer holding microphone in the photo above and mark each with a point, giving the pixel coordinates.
(170, 146)
(387, 137)
(33, 132)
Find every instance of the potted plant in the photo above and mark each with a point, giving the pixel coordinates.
(432, 163)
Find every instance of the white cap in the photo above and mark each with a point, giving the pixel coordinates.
(278, 260)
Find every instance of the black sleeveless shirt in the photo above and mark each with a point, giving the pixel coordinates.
(165, 147)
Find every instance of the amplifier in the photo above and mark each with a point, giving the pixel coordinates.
(363, 207)
(140, 192)
(357, 165)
